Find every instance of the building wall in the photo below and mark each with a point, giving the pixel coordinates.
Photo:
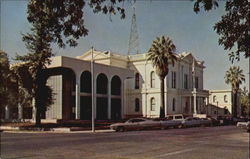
(222, 99)
(55, 110)
(139, 64)
(112, 65)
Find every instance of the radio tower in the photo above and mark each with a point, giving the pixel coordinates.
(133, 46)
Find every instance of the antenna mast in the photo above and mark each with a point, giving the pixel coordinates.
(133, 47)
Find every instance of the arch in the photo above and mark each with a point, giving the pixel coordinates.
(85, 82)
(115, 97)
(116, 85)
(152, 104)
(214, 99)
(102, 84)
(137, 81)
(225, 98)
(137, 105)
(102, 98)
(152, 79)
(173, 105)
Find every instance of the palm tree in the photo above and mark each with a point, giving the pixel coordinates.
(235, 77)
(162, 54)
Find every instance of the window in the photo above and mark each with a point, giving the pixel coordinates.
(152, 79)
(196, 82)
(173, 79)
(137, 105)
(173, 105)
(225, 111)
(225, 98)
(214, 99)
(185, 81)
(137, 80)
(152, 104)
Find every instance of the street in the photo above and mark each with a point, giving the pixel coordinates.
(226, 142)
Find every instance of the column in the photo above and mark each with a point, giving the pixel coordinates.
(77, 98)
(7, 112)
(33, 109)
(195, 106)
(109, 99)
(190, 104)
(20, 112)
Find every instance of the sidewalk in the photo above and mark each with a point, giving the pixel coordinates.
(65, 127)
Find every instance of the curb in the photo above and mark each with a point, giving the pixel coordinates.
(10, 129)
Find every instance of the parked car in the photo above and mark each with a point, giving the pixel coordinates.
(191, 122)
(205, 122)
(244, 125)
(136, 124)
(176, 117)
(214, 121)
(167, 123)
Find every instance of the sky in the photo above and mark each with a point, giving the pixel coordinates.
(189, 31)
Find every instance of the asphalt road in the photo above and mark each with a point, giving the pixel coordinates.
(227, 142)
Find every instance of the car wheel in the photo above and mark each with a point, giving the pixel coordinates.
(120, 128)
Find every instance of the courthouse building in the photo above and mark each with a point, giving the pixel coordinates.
(124, 86)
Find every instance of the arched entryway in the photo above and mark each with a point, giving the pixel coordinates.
(116, 98)
(102, 97)
(63, 81)
(85, 96)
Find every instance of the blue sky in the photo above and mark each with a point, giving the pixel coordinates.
(189, 31)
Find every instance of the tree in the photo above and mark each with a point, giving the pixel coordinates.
(60, 22)
(235, 77)
(161, 53)
(8, 85)
(245, 102)
(234, 26)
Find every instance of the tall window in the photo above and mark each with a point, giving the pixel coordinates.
(225, 98)
(173, 79)
(152, 104)
(185, 81)
(173, 105)
(196, 82)
(137, 80)
(137, 105)
(152, 79)
(214, 99)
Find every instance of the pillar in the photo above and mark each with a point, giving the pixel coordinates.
(33, 109)
(190, 104)
(20, 112)
(7, 112)
(195, 106)
(77, 98)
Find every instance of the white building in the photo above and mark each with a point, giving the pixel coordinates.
(125, 86)
(221, 103)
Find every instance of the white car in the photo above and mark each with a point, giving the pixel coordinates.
(244, 125)
(136, 124)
